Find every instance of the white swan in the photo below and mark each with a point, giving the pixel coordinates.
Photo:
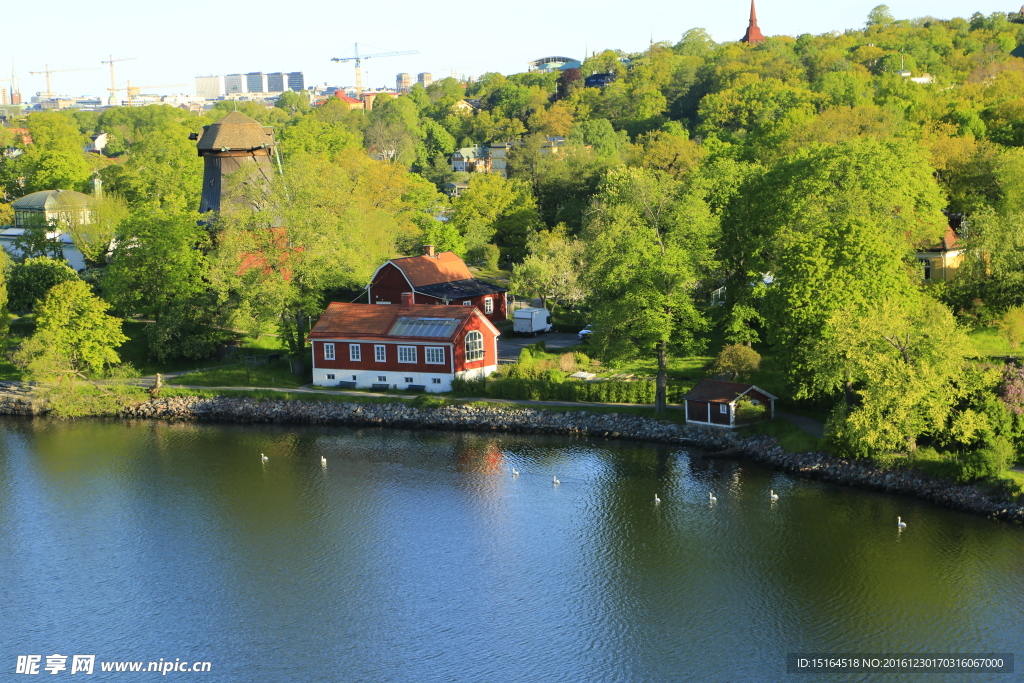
(900, 524)
(656, 499)
(264, 458)
(323, 460)
(515, 472)
(554, 481)
(774, 496)
(711, 497)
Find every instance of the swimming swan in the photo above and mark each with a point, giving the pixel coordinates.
(264, 458)
(656, 499)
(774, 496)
(711, 497)
(515, 472)
(554, 481)
(323, 460)
(900, 524)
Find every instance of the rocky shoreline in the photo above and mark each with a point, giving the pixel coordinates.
(16, 400)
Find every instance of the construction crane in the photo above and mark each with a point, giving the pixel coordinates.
(358, 59)
(133, 91)
(47, 70)
(113, 82)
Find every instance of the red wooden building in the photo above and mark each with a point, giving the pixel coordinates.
(403, 346)
(713, 403)
(436, 278)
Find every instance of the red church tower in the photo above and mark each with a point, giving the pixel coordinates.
(753, 34)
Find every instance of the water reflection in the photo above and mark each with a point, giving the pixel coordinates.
(417, 555)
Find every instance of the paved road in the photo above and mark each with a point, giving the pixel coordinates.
(808, 424)
(510, 345)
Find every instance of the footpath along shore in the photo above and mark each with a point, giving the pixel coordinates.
(16, 399)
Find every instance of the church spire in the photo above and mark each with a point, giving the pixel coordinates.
(753, 34)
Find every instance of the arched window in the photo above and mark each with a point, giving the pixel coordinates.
(474, 346)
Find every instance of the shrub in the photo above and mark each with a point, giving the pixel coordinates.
(525, 355)
(736, 360)
(567, 363)
(747, 412)
(582, 359)
(1011, 326)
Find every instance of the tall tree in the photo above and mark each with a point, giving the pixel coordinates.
(647, 244)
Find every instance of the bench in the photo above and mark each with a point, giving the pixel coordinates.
(381, 387)
(347, 385)
(416, 387)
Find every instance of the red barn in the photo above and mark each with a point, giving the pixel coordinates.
(403, 346)
(714, 403)
(436, 279)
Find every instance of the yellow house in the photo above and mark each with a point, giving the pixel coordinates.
(942, 260)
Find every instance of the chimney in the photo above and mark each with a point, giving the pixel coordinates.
(407, 299)
(428, 250)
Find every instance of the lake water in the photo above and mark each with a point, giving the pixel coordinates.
(417, 556)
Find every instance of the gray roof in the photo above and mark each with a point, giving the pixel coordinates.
(424, 327)
(460, 289)
(51, 200)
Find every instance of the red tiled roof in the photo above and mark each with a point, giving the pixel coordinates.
(360, 321)
(715, 391)
(345, 98)
(431, 270)
(949, 241)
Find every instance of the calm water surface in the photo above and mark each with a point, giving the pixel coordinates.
(416, 556)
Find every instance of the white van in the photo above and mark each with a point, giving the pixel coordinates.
(530, 321)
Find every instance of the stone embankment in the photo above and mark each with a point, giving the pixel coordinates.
(508, 418)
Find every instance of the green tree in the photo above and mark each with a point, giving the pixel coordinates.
(74, 338)
(29, 281)
(552, 269)
(647, 245)
(908, 359)
(830, 227)
(736, 361)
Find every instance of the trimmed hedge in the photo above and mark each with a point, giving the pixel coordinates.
(607, 391)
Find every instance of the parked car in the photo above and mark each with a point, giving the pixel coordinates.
(585, 332)
(530, 321)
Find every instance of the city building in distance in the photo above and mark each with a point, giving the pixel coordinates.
(425, 79)
(403, 83)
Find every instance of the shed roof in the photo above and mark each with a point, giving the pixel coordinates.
(235, 131)
(715, 391)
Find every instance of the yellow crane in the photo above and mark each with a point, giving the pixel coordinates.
(47, 70)
(113, 82)
(358, 59)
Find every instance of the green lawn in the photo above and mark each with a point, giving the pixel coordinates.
(136, 352)
(988, 342)
(274, 374)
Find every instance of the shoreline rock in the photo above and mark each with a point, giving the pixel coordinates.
(764, 450)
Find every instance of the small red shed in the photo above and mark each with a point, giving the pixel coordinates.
(404, 346)
(713, 403)
(436, 278)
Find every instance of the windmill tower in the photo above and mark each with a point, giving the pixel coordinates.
(233, 144)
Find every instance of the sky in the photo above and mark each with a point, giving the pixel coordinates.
(172, 42)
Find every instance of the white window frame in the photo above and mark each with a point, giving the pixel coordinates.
(382, 378)
(723, 408)
(403, 354)
(435, 380)
(433, 351)
(474, 346)
(410, 380)
(329, 351)
(467, 303)
(330, 375)
(355, 353)
(488, 305)
(380, 353)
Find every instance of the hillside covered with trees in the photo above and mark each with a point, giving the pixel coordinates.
(801, 175)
